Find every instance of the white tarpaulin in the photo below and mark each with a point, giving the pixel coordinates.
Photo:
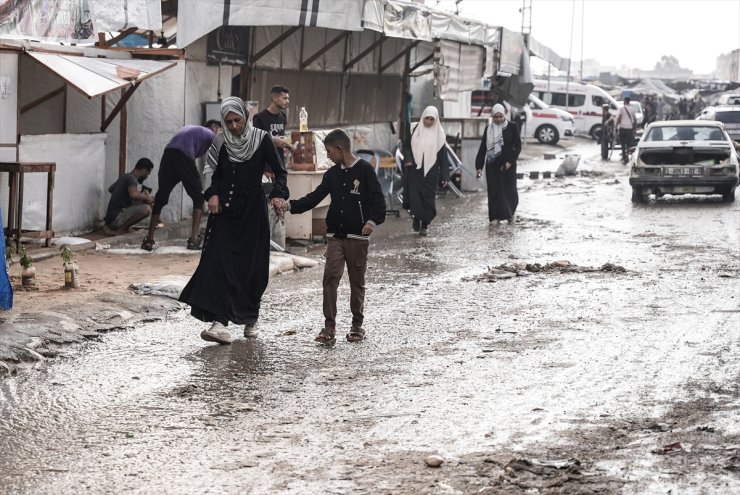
(547, 54)
(117, 15)
(76, 20)
(457, 68)
(196, 18)
(404, 19)
(97, 76)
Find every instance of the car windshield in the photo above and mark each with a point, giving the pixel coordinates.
(728, 117)
(685, 133)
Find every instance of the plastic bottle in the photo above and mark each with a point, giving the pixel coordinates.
(303, 120)
(71, 275)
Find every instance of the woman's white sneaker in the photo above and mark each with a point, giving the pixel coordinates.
(217, 333)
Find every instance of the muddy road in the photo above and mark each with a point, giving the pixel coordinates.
(562, 381)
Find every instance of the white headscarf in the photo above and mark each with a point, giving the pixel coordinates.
(495, 134)
(240, 148)
(427, 141)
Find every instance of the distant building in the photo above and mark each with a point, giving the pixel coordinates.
(728, 66)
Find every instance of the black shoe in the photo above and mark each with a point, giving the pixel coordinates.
(147, 244)
(423, 231)
(415, 225)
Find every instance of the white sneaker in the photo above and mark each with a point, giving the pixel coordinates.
(251, 330)
(217, 333)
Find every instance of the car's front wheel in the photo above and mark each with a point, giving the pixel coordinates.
(728, 196)
(547, 134)
(637, 195)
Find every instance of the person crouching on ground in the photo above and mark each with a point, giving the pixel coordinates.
(127, 205)
(425, 164)
(498, 152)
(178, 165)
(357, 207)
(234, 266)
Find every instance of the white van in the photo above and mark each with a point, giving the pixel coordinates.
(547, 124)
(583, 101)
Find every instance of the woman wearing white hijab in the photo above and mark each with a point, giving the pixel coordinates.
(498, 152)
(232, 275)
(426, 165)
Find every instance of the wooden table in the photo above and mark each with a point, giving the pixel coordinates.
(16, 170)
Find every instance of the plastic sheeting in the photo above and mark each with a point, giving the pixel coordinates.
(403, 19)
(78, 20)
(196, 18)
(117, 15)
(458, 68)
(547, 54)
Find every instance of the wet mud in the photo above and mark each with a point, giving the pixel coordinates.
(562, 382)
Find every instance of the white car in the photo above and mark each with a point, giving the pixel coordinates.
(729, 99)
(728, 115)
(684, 157)
(547, 124)
(639, 115)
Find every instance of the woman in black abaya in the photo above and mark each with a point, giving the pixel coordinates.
(425, 166)
(232, 275)
(498, 152)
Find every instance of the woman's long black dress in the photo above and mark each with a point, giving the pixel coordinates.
(234, 265)
(419, 189)
(503, 197)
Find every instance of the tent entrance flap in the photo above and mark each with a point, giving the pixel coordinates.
(98, 76)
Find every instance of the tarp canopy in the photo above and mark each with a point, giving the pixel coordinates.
(411, 20)
(547, 54)
(76, 20)
(653, 87)
(196, 18)
(97, 76)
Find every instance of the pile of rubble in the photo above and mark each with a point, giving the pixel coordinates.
(522, 269)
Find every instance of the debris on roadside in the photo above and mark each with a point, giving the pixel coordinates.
(434, 461)
(671, 448)
(523, 269)
(542, 474)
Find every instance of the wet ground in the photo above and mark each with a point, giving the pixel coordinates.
(561, 381)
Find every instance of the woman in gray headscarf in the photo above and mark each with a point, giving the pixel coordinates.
(426, 166)
(498, 152)
(233, 271)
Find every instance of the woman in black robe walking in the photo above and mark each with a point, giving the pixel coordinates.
(232, 275)
(426, 165)
(498, 151)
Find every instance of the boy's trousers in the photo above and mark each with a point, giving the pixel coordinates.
(353, 252)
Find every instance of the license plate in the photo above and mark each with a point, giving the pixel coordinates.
(684, 171)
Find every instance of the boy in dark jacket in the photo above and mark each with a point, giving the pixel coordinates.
(357, 206)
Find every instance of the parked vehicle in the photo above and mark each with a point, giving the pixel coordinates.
(639, 115)
(583, 101)
(728, 115)
(729, 99)
(547, 124)
(684, 157)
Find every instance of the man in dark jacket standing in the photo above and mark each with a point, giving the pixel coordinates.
(357, 206)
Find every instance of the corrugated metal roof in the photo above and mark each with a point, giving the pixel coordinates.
(96, 76)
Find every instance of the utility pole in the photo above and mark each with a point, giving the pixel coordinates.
(526, 12)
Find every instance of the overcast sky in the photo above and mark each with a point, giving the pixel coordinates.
(635, 33)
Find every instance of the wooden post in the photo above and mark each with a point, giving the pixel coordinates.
(123, 136)
(403, 122)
